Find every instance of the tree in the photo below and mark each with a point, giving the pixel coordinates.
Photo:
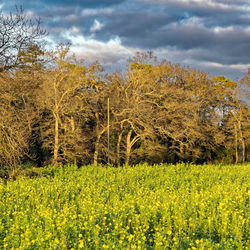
(16, 117)
(98, 110)
(234, 114)
(31, 59)
(17, 33)
(132, 98)
(20, 54)
(60, 103)
(162, 109)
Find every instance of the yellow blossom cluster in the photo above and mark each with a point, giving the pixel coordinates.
(180, 206)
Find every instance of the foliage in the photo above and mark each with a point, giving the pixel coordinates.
(54, 107)
(144, 207)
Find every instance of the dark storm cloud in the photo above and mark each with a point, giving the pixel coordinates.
(83, 3)
(214, 13)
(134, 27)
(207, 32)
(159, 29)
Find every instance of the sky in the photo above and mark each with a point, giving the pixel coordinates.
(209, 35)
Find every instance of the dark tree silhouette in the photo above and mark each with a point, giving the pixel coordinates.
(17, 33)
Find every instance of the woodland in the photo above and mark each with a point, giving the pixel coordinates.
(56, 108)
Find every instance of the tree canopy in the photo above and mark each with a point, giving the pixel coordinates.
(54, 107)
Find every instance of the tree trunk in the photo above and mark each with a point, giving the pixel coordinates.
(56, 140)
(97, 146)
(242, 142)
(243, 151)
(182, 150)
(96, 150)
(236, 143)
(95, 160)
(118, 148)
(128, 147)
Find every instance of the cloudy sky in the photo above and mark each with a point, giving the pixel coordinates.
(211, 35)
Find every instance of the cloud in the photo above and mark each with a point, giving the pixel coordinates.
(109, 53)
(1, 5)
(89, 3)
(203, 60)
(221, 5)
(214, 12)
(96, 26)
(211, 35)
(82, 3)
(95, 12)
(154, 31)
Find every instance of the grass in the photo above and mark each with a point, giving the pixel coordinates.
(141, 207)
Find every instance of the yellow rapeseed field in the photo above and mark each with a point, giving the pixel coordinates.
(163, 206)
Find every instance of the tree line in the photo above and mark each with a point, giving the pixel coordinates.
(55, 108)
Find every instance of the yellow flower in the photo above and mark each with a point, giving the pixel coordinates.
(81, 244)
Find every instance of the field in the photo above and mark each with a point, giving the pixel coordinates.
(141, 207)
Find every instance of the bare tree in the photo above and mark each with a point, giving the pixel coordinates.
(16, 117)
(233, 98)
(132, 98)
(63, 100)
(17, 33)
